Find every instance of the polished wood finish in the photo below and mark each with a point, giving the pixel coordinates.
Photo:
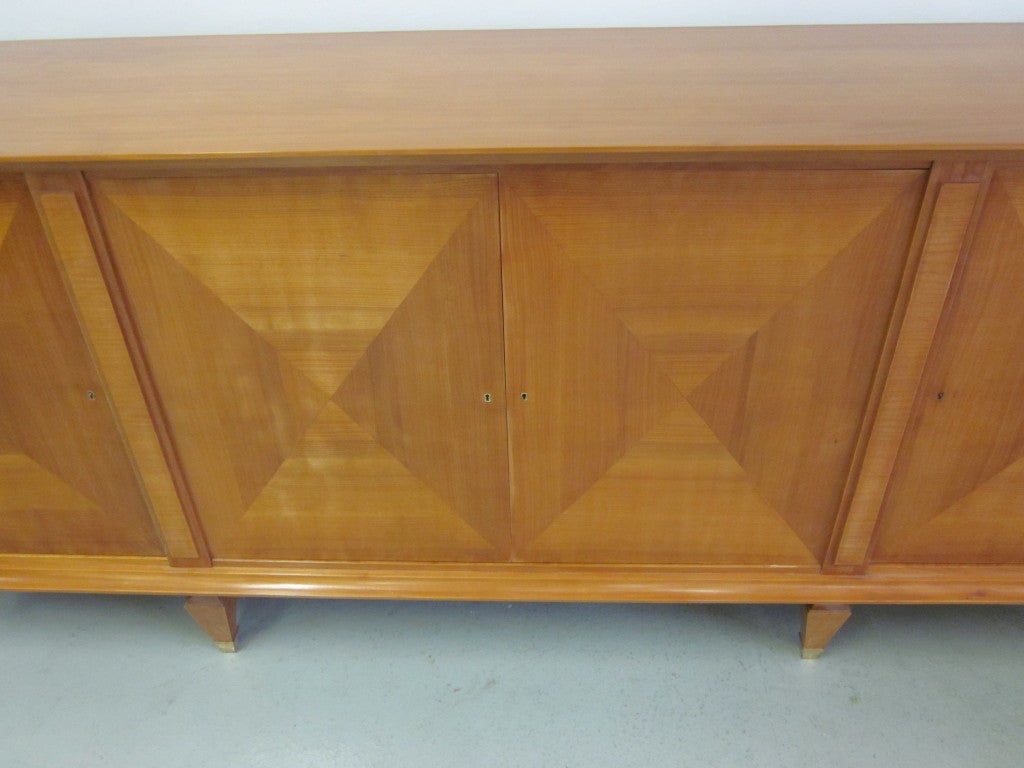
(940, 173)
(954, 209)
(647, 315)
(217, 617)
(957, 491)
(57, 198)
(569, 91)
(697, 347)
(821, 622)
(323, 345)
(518, 581)
(67, 485)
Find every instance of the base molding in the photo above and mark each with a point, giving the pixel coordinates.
(516, 581)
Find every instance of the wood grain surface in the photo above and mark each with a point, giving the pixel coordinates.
(67, 484)
(957, 491)
(954, 209)
(323, 345)
(697, 348)
(516, 581)
(218, 618)
(821, 622)
(768, 88)
(59, 199)
(512, 368)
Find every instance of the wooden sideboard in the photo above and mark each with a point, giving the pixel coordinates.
(623, 315)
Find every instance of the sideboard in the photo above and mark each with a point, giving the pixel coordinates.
(677, 315)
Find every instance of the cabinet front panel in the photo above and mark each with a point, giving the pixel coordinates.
(957, 493)
(323, 345)
(696, 349)
(67, 485)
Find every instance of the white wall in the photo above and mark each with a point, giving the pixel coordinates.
(26, 19)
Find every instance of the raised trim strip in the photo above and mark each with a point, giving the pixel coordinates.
(68, 234)
(947, 235)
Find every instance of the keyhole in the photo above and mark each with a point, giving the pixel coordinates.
(487, 397)
(90, 394)
(523, 396)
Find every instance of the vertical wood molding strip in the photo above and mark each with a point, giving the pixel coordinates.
(947, 232)
(69, 238)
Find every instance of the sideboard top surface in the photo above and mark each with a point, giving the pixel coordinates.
(901, 87)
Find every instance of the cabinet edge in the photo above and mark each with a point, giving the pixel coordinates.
(516, 582)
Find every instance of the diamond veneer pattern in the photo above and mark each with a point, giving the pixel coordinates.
(596, 393)
(790, 384)
(26, 486)
(630, 364)
(253, 407)
(664, 267)
(424, 367)
(731, 398)
(263, 438)
(325, 249)
(354, 484)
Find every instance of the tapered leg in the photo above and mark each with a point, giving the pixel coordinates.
(821, 622)
(216, 615)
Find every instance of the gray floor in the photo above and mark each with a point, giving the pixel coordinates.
(130, 681)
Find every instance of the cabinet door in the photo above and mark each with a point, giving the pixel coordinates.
(327, 349)
(957, 491)
(690, 353)
(67, 484)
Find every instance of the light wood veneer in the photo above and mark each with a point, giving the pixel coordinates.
(655, 315)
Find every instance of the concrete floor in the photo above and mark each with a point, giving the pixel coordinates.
(131, 681)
